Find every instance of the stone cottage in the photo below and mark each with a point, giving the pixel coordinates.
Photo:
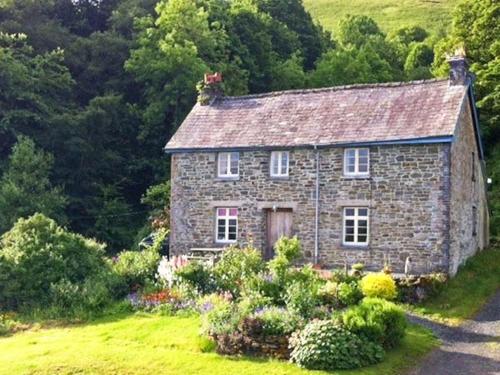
(375, 173)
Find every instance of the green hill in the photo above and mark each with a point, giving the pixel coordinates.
(433, 15)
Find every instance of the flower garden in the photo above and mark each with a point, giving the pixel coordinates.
(274, 309)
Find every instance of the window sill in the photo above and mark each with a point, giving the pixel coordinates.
(279, 178)
(227, 178)
(354, 247)
(356, 177)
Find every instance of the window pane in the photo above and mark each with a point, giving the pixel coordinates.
(223, 163)
(233, 212)
(284, 163)
(235, 157)
(363, 212)
(363, 168)
(274, 164)
(221, 233)
(349, 238)
(362, 230)
(349, 230)
(349, 211)
(362, 223)
(232, 222)
(221, 212)
(351, 153)
(232, 236)
(363, 153)
(362, 238)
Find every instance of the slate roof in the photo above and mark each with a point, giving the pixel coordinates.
(329, 116)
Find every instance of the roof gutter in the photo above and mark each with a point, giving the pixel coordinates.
(411, 141)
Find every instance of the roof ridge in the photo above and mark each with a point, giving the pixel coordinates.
(334, 88)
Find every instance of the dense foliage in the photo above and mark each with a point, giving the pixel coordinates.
(43, 265)
(323, 345)
(379, 285)
(102, 85)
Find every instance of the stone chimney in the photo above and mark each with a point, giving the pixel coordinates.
(459, 68)
(210, 88)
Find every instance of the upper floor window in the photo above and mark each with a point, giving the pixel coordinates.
(279, 163)
(228, 164)
(356, 162)
(227, 225)
(356, 223)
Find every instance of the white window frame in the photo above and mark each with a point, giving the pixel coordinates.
(227, 156)
(356, 217)
(356, 172)
(226, 218)
(277, 157)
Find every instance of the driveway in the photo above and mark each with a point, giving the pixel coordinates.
(473, 348)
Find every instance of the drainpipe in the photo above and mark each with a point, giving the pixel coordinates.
(316, 229)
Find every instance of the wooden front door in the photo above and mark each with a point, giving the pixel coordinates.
(279, 223)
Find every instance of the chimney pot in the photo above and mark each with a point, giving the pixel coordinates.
(210, 88)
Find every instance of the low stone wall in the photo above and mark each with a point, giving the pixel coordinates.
(250, 340)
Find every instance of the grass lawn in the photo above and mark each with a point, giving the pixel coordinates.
(389, 14)
(468, 291)
(153, 344)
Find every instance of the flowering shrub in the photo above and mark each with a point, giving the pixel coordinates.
(379, 285)
(198, 275)
(328, 293)
(166, 301)
(323, 345)
(277, 320)
(377, 320)
(167, 269)
(235, 266)
(220, 317)
(139, 267)
(349, 293)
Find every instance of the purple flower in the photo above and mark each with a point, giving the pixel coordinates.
(206, 307)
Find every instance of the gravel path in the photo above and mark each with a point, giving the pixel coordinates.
(473, 348)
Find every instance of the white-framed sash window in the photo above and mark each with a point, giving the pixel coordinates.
(226, 230)
(228, 164)
(280, 161)
(357, 161)
(356, 223)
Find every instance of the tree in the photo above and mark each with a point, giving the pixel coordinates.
(25, 187)
(356, 30)
(476, 27)
(418, 62)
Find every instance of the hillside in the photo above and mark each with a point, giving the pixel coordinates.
(433, 15)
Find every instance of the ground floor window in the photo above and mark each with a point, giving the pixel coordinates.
(356, 226)
(227, 225)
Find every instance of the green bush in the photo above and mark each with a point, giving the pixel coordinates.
(287, 251)
(327, 293)
(36, 254)
(379, 285)
(198, 276)
(302, 298)
(377, 320)
(324, 345)
(349, 293)
(277, 320)
(138, 268)
(235, 266)
(220, 316)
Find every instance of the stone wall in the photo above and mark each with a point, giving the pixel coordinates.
(466, 192)
(407, 192)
